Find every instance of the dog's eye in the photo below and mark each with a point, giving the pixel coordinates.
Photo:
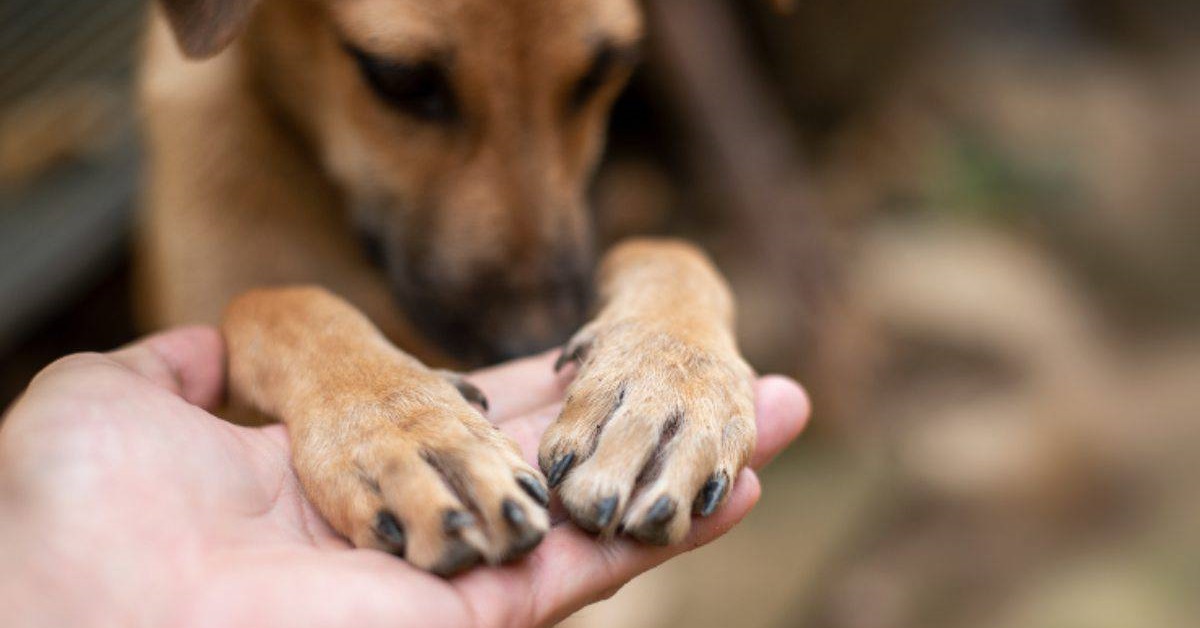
(607, 61)
(419, 89)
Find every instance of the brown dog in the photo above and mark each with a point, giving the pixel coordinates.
(456, 139)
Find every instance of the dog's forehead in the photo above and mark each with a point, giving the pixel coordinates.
(414, 27)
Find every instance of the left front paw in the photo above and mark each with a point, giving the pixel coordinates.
(656, 426)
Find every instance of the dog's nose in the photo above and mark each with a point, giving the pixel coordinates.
(534, 325)
(512, 348)
(503, 315)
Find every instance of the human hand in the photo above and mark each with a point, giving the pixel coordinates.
(124, 501)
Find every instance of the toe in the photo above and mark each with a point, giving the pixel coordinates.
(661, 511)
(596, 492)
(435, 520)
(504, 502)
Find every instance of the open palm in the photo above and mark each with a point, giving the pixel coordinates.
(124, 501)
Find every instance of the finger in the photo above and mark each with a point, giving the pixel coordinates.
(521, 386)
(571, 569)
(781, 410)
(189, 362)
(527, 429)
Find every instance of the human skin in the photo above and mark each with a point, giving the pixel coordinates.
(123, 501)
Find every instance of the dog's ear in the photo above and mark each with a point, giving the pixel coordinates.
(205, 27)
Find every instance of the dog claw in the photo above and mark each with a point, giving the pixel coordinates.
(470, 392)
(661, 512)
(389, 530)
(455, 521)
(514, 514)
(605, 510)
(534, 489)
(596, 518)
(653, 527)
(561, 361)
(526, 536)
(559, 469)
(712, 493)
(523, 546)
(458, 557)
(570, 354)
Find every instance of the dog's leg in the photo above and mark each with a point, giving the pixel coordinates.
(660, 418)
(387, 449)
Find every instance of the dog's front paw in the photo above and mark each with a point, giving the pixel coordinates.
(421, 474)
(656, 426)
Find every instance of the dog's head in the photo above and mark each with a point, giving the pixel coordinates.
(463, 134)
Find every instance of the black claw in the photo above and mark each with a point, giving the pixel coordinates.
(534, 489)
(472, 393)
(559, 469)
(661, 512)
(712, 493)
(455, 520)
(568, 355)
(605, 509)
(514, 514)
(523, 545)
(597, 517)
(653, 527)
(457, 557)
(525, 536)
(562, 360)
(389, 530)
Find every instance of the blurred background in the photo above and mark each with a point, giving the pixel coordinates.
(971, 227)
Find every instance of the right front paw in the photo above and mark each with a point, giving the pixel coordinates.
(422, 475)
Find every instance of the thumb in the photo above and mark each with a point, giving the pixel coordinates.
(189, 361)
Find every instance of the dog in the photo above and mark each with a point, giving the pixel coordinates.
(359, 190)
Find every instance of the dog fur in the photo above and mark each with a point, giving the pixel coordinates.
(457, 138)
